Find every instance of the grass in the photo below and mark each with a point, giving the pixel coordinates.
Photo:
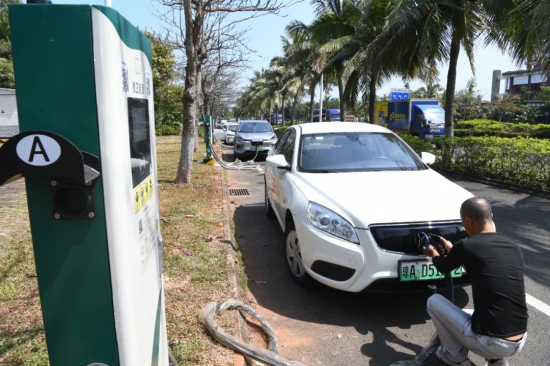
(22, 339)
(195, 259)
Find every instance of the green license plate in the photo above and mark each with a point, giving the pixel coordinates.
(422, 271)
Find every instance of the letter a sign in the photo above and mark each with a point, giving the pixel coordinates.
(38, 150)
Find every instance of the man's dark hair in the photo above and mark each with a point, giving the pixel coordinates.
(478, 209)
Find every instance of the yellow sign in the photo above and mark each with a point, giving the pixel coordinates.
(143, 193)
(394, 115)
(381, 112)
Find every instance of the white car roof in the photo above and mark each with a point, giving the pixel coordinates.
(327, 127)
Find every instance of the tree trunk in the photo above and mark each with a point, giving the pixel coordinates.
(283, 108)
(199, 90)
(293, 108)
(185, 165)
(451, 85)
(311, 101)
(341, 96)
(372, 97)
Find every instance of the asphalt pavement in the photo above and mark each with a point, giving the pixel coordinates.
(323, 326)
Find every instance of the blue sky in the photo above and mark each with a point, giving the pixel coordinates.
(266, 33)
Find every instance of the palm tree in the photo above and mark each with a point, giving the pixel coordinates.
(522, 27)
(332, 22)
(366, 66)
(437, 30)
(302, 59)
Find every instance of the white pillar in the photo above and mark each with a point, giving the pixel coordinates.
(321, 114)
(107, 2)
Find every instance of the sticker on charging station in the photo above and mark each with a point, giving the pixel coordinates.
(143, 193)
(38, 150)
(125, 78)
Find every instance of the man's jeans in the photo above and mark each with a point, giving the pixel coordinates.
(454, 328)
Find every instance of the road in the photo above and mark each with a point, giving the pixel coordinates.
(323, 326)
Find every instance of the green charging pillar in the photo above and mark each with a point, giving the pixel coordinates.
(87, 152)
(207, 136)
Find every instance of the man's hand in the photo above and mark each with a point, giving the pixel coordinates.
(445, 245)
(431, 252)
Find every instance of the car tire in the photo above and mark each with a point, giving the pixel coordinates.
(293, 258)
(268, 208)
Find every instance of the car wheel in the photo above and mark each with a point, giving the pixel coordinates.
(293, 255)
(268, 209)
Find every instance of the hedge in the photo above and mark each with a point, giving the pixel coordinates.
(486, 127)
(523, 161)
(168, 130)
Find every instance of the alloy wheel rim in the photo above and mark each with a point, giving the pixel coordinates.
(294, 254)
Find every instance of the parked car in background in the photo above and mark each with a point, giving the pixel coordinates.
(220, 134)
(230, 133)
(253, 138)
(351, 198)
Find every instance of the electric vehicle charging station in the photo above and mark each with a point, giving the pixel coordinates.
(87, 152)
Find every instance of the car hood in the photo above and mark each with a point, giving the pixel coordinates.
(257, 136)
(366, 198)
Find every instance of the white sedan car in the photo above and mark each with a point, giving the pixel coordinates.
(351, 199)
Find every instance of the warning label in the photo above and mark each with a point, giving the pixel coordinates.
(142, 193)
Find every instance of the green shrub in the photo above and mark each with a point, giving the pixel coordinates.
(416, 143)
(179, 128)
(523, 161)
(486, 127)
(165, 130)
(279, 130)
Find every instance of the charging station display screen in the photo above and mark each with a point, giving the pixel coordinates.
(140, 139)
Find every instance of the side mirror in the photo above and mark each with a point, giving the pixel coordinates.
(428, 158)
(278, 161)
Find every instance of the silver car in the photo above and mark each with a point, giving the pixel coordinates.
(254, 137)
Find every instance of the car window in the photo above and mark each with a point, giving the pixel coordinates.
(356, 151)
(281, 141)
(255, 127)
(288, 146)
(233, 128)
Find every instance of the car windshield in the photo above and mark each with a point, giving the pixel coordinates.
(233, 127)
(334, 118)
(434, 117)
(356, 151)
(252, 127)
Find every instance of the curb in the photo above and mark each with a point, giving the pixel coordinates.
(241, 329)
(495, 182)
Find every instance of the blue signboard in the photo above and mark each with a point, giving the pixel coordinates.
(399, 95)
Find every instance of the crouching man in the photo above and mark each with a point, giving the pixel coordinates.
(497, 328)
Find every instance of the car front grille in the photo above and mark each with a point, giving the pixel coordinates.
(257, 143)
(400, 238)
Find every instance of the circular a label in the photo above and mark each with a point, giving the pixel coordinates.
(38, 150)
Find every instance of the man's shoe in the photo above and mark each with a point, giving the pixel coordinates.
(497, 362)
(442, 355)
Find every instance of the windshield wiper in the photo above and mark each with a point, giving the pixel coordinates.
(323, 171)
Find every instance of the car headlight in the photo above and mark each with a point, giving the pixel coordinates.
(272, 140)
(239, 139)
(329, 221)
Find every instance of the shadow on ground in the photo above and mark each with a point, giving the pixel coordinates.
(261, 241)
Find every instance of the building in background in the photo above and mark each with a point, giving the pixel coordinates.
(9, 122)
(516, 82)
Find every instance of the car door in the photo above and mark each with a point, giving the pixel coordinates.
(219, 134)
(270, 172)
(282, 177)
